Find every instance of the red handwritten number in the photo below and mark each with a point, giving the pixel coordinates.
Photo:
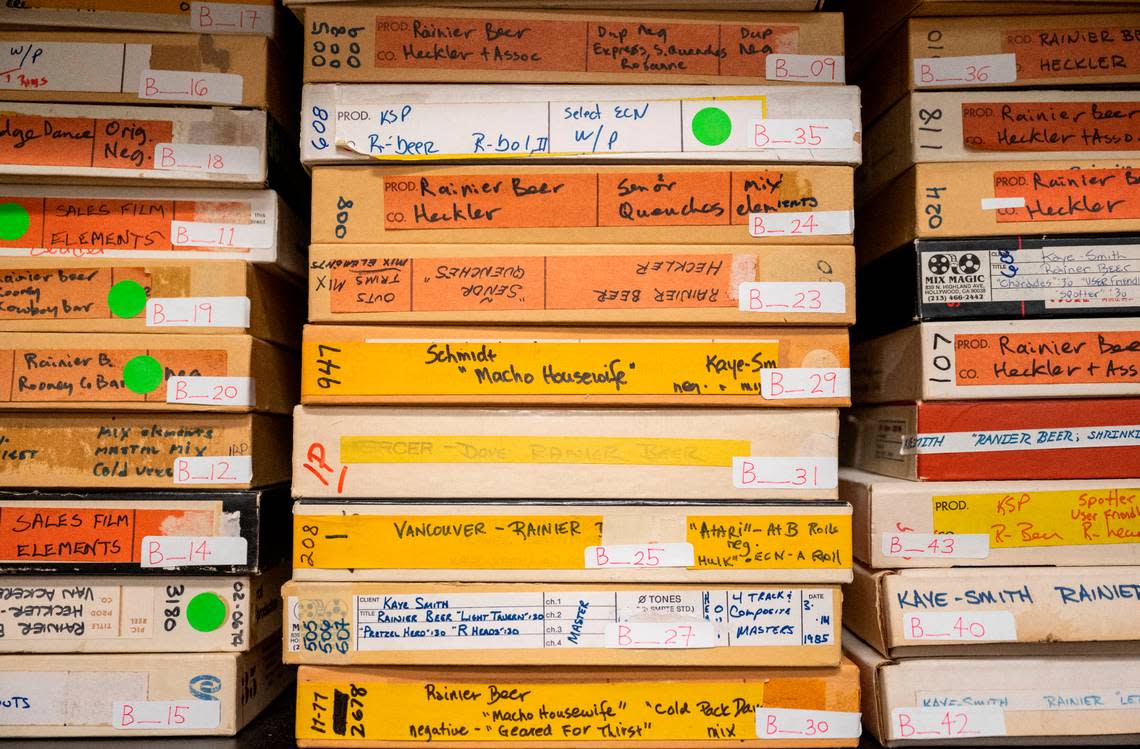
(214, 161)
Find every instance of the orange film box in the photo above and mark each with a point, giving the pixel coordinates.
(629, 204)
(88, 295)
(937, 126)
(437, 45)
(935, 201)
(1060, 51)
(565, 453)
(646, 708)
(740, 542)
(1015, 700)
(54, 614)
(506, 624)
(789, 367)
(1082, 438)
(999, 359)
(63, 143)
(214, 17)
(902, 524)
(78, 450)
(143, 372)
(418, 123)
(582, 284)
(141, 694)
(168, 223)
(1047, 610)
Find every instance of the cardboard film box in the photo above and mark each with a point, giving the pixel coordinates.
(416, 122)
(513, 541)
(626, 204)
(361, 365)
(99, 533)
(53, 614)
(582, 284)
(938, 126)
(64, 221)
(1002, 51)
(220, 17)
(932, 201)
(903, 524)
(302, 6)
(504, 624)
(1002, 699)
(437, 45)
(1046, 610)
(138, 695)
(1085, 438)
(564, 453)
(418, 707)
(121, 450)
(143, 372)
(999, 359)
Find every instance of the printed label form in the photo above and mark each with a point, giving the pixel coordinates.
(143, 715)
(231, 469)
(776, 134)
(805, 68)
(780, 724)
(210, 391)
(207, 234)
(1016, 439)
(936, 545)
(198, 312)
(964, 722)
(1091, 125)
(183, 85)
(960, 626)
(967, 70)
(801, 223)
(639, 555)
(231, 18)
(660, 635)
(201, 159)
(1078, 49)
(192, 551)
(1069, 194)
(805, 382)
(793, 297)
(785, 473)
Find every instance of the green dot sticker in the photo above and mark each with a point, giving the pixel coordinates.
(142, 374)
(206, 612)
(712, 126)
(14, 221)
(126, 299)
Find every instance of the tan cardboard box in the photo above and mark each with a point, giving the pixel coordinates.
(301, 6)
(220, 17)
(581, 284)
(936, 126)
(437, 45)
(582, 204)
(999, 700)
(142, 372)
(362, 365)
(64, 221)
(172, 694)
(120, 450)
(53, 614)
(119, 67)
(60, 295)
(901, 524)
(505, 624)
(415, 122)
(754, 542)
(1002, 51)
(999, 359)
(564, 453)
(587, 708)
(63, 143)
(1000, 198)
(1047, 610)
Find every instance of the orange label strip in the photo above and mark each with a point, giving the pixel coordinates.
(1069, 194)
(1056, 126)
(1100, 51)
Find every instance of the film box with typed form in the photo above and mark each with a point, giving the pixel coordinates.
(764, 541)
(564, 453)
(403, 44)
(499, 624)
(629, 204)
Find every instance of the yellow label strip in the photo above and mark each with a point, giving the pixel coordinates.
(774, 542)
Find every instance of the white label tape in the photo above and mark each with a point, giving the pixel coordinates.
(660, 635)
(801, 133)
(206, 234)
(231, 18)
(920, 723)
(997, 204)
(785, 473)
(201, 159)
(198, 312)
(780, 724)
(805, 382)
(792, 296)
(231, 469)
(1017, 439)
(805, 68)
(801, 223)
(182, 85)
(192, 551)
(210, 391)
(936, 545)
(967, 70)
(960, 626)
(640, 555)
(151, 715)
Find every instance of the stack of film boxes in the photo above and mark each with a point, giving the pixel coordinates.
(997, 433)
(566, 460)
(150, 313)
